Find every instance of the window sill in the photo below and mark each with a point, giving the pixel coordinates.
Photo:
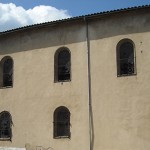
(61, 81)
(5, 139)
(6, 87)
(62, 137)
(127, 75)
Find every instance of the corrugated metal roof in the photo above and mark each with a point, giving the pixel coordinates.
(89, 16)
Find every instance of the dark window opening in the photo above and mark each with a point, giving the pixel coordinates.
(62, 65)
(7, 72)
(125, 59)
(5, 126)
(61, 122)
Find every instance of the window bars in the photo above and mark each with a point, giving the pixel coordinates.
(7, 72)
(5, 126)
(125, 59)
(61, 122)
(62, 65)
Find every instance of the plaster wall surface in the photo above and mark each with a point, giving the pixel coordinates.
(120, 105)
(120, 116)
(35, 96)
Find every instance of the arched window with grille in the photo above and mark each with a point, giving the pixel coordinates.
(125, 58)
(62, 123)
(7, 71)
(5, 126)
(62, 65)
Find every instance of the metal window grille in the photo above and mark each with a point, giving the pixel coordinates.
(126, 59)
(63, 65)
(5, 126)
(7, 72)
(62, 123)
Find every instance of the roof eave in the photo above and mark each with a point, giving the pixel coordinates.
(78, 18)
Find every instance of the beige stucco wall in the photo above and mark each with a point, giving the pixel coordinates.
(120, 105)
(35, 96)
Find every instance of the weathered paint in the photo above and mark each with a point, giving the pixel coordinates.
(120, 105)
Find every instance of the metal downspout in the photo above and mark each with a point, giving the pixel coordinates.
(89, 86)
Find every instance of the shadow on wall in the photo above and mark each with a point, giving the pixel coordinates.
(64, 33)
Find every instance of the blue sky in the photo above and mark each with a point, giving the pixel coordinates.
(18, 13)
(80, 7)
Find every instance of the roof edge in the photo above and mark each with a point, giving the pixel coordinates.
(89, 16)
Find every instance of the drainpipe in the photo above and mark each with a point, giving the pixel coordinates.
(89, 85)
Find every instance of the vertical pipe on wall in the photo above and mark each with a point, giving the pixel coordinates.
(91, 129)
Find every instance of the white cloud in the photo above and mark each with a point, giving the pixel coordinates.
(12, 16)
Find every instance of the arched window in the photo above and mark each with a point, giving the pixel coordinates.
(5, 126)
(62, 65)
(125, 58)
(61, 122)
(7, 71)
